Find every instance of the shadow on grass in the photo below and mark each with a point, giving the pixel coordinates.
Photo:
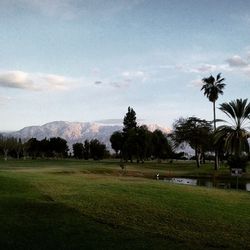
(31, 220)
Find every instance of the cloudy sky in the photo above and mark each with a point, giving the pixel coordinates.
(88, 60)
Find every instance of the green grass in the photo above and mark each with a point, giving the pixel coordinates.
(92, 205)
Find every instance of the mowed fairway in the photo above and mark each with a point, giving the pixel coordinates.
(89, 205)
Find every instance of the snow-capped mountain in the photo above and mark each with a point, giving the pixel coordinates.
(74, 131)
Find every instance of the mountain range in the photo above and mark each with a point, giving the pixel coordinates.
(74, 131)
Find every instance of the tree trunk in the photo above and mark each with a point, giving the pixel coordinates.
(203, 158)
(216, 163)
(216, 158)
(197, 157)
(214, 115)
(24, 154)
(5, 154)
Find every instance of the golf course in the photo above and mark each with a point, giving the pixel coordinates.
(74, 204)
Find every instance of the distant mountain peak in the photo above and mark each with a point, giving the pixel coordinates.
(74, 131)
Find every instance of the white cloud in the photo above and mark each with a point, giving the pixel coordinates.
(123, 80)
(37, 82)
(204, 68)
(131, 76)
(240, 65)
(54, 82)
(236, 64)
(16, 79)
(236, 61)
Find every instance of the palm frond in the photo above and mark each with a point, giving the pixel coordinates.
(234, 137)
(213, 87)
(218, 77)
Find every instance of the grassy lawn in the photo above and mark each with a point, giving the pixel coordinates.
(91, 205)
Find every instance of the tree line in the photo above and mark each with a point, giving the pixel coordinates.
(92, 149)
(16, 148)
(138, 143)
(55, 147)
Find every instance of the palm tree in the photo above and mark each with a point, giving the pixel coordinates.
(212, 89)
(235, 135)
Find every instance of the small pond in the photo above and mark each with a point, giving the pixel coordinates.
(217, 183)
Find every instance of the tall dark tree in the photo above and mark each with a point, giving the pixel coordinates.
(45, 148)
(161, 146)
(59, 147)
(129, 150)
(86, 150)
(234, 136)
(129, 121)
(97, 149)
(117, 141)
(144, 143)
(33, 147)
(213, 87)
(195, 132)
(78, 150)
(130, 135)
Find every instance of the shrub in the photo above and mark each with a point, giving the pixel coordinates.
(237, 162)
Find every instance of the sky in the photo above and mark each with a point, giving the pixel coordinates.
(88, 60)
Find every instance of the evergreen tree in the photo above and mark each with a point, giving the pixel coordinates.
(130, 135)
(129, 121)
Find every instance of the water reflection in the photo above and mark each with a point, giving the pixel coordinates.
(183, 181)
(218, 183)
